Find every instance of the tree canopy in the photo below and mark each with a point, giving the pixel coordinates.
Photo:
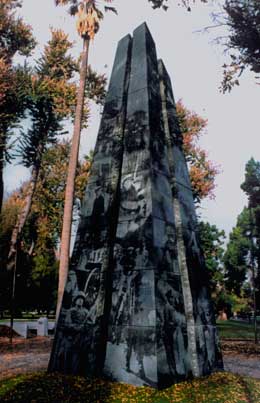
(212, 241)
(15, 37)
(236, 258)
(38, 255)
(243, 43)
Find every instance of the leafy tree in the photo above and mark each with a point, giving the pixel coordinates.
(236, 256)
(10, 211)
(15, 38)
(202, 170)
(243, 20)
(243, 250)
(38, 257)
(16, 35)
(212, 240)
(88, 20)
(251, 186)
(50, 190)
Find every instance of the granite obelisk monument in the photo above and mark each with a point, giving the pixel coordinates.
(136, 307)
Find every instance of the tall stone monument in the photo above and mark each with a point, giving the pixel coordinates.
(136, 306)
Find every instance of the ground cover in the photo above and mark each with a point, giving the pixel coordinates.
(234, 329)
(41, 387)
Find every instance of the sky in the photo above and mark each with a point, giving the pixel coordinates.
(194, 62)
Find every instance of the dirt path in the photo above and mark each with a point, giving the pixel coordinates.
(241, 357)
(26, 356)
(242, 365)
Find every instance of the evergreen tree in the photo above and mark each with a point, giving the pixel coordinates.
(211, 241)
(251, 186)
(236, 258)
(15, 38)
(50, 101)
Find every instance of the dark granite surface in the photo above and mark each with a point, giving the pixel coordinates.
(123, 314)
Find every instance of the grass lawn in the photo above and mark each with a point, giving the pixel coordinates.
(217, 388)
(232, 329)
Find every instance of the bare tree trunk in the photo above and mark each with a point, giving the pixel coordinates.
(69, 193)
(22, 217)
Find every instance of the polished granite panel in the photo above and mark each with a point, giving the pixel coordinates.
(136, 306)
(133, 298)
(131, 355)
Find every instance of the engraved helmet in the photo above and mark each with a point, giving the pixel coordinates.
(79, 294)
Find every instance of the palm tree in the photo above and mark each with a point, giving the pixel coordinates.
(88, 20)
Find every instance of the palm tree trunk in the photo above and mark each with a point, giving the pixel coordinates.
(69, 193)
(22, 217)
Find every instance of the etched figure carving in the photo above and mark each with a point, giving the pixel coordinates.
(71, 289)
(71, 356)
(98, 216)
(173, 326)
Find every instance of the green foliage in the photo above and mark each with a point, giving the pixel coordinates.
(236, 256)
(15, 35)
(53, 71)
(212, 240)
(13, 104)
(56, 63)
(95, 86)
(36, 282)
(37, 263)
(59, 388)
(8, 218)
(242, 256)
(50, 190)
(243, 20)
(44, 130)
(251, 184)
